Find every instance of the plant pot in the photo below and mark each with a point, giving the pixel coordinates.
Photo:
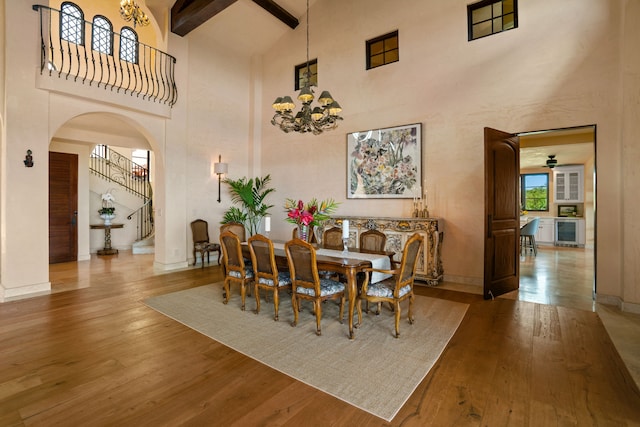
(107, 218)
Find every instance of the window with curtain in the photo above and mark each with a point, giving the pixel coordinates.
(71, 23)
(129, 45)
(102, 35)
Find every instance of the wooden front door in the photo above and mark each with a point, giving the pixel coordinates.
(502, 212)
(63, 207)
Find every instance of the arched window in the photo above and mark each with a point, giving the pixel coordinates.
(71, 23)
(102, 35)
(128, 45)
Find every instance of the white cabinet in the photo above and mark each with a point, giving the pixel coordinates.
(546, 230)
(568, 183)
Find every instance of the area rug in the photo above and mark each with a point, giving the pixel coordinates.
(374, 372)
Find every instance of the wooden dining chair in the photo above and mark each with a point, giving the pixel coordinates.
(307, 284)
(398, 287)
(201, 243)
(236, 228)
(373, 240)
(332, 238)
(265, 271)
(234, 266)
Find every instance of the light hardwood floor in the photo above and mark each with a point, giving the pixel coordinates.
(94, 354)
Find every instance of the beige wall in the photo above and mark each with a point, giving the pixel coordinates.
(551, 72)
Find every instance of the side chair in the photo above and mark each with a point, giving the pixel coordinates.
(265, 271)
(332, 238)
(373, 240)
(236, 228)
(398, 287)
(307, 284)
(201, 243)
(235, 269)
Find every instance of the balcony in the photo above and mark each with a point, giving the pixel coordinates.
(121, 66)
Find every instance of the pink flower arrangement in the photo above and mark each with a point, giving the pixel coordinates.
(311, 214)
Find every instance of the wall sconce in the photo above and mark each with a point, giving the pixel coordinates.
(28, 160)
(220, 169)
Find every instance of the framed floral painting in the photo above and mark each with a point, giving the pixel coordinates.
(385, 163)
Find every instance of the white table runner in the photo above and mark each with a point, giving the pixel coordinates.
(381, 262)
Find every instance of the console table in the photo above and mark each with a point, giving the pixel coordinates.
(107, 250)
(398, 230)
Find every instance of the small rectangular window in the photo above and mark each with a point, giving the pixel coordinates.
(491, 16)
(301, 74)
(383, 50)
(534, 191)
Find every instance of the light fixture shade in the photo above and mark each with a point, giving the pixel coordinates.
(220, 168)
(287, 103)
(277, 104)
(325, 98)
(334, 108)
(317, 113)
(305, 94)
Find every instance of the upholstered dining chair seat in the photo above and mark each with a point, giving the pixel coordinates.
(248, 273)
(385, 288)
(327, 287)
(283, 279)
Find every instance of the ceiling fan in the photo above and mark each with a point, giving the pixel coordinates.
(551, 162)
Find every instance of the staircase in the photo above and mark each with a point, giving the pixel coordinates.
(118, 169)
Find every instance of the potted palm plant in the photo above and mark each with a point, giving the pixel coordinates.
(249, 195)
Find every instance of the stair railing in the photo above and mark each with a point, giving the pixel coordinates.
(114, 167)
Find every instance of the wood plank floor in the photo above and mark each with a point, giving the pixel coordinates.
(94, 354)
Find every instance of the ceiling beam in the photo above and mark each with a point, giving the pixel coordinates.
(276, 10)
(187, 15)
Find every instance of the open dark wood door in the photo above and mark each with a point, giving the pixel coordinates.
(63, 207)
(502, 212)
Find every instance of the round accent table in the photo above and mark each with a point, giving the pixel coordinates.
(107, 250)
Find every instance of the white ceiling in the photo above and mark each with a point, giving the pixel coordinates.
(574, 146)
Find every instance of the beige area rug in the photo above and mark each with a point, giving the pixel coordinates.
(331, 362)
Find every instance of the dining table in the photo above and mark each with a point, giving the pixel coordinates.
(347, 263)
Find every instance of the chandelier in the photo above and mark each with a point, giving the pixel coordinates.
(317, 119)
(130, 11)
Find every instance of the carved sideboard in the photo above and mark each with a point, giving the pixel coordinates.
(398, 230)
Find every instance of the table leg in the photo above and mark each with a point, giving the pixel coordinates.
(353, 291)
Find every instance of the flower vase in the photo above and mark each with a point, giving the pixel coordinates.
(107, 218)
(303, 232)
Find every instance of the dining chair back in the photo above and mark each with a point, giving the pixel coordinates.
(307, 284)
(265, 271)
(234, 266)
(398, 287)
(332, 238)
(236, 228)
(528, 236)
(373, 240)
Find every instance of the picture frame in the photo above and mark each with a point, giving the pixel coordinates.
(385, 163)
(567, 210)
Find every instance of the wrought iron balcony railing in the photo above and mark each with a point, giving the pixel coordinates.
(150, 74)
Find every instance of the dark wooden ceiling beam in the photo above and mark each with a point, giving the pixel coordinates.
(187, 15)
(276, 10)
